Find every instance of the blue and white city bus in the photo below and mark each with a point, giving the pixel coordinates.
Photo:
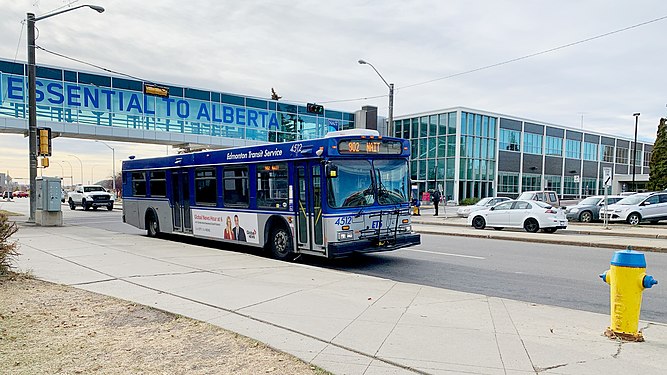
(345, 193)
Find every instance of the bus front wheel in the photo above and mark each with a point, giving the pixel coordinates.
(280, 244)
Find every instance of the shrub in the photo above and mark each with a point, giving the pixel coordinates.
(469, 201)
(7, 248)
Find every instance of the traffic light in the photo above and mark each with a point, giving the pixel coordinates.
(315, 108)
(44, 141)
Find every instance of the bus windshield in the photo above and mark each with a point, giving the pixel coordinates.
(392, 181)
(353, 186)
(356, 186)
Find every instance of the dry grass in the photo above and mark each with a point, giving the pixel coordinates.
(53, 329)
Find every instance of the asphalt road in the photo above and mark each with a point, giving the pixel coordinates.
(565, 276)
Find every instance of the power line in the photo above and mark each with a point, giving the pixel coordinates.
(508, 61)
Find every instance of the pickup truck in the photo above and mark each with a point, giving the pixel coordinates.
(88, 196)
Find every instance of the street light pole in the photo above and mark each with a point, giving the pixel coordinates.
(390, 125)
(113, 166)
(32, 101)
(81, 163)
(71, 173)
(634, 153)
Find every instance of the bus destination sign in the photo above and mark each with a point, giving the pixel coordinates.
(370, 146)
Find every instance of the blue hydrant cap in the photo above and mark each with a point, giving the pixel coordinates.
(628, 258)
(649, 281)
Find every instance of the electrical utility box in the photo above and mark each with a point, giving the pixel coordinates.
(48, 191)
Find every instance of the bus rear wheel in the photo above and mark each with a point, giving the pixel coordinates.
(280, 244)
(152, 225)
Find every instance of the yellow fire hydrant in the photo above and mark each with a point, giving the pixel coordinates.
(628, 279)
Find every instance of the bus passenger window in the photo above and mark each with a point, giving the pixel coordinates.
(205, 186)
(158, 184)
(235, 186)
(272, 186)
(139, 184)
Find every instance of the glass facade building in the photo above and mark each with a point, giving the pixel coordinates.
(471, 153)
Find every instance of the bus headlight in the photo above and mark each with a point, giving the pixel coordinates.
(407, 228)
(345, 235)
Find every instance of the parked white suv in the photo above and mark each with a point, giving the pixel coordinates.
(638, 207)
(88, 196)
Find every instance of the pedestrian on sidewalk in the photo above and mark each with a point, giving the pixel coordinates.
(435, 198)
(415, 206)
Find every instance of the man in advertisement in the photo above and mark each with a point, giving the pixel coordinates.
(239, 232)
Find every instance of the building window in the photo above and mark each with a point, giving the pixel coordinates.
(272, 186)
(589, 186)
(608, 153)
(647, 158)
(573, 149)
(554, 146)
(590, 151)
(235, 186)
(508, 182)
(622, 155)
(158, 184)
(509, 140)
(552, 183)
(205, 186)
(531, 182)
(532, 143)
(569, 186)
(139, 184)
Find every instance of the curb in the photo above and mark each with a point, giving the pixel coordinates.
(566, 231)
(548, 241)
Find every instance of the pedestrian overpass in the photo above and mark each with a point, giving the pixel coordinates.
(86, 105)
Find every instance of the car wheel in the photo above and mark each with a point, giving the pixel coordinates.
(634, 218)
(110, 207)
(498, 228)
(478, 222)
(72, 206)
(549, 230)
(281, 244)
(586, 217)
(152, 225)
(531, 225)
(85, 205)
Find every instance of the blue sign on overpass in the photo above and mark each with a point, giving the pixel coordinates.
(86, 105)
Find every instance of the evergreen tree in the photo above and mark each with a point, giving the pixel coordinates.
(658, 164)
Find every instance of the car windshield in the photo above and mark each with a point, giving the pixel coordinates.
(357, 184)
(590, 201)
(632, 199)
(542, 204)
(88, 189)
(483, 202)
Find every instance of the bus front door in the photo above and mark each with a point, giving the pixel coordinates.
(309, 229)
(180, 201)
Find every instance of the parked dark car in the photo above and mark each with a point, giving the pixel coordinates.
(589, 209)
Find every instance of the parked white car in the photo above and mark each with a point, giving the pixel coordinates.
(638, 207)
(483, 204)
(529, 215)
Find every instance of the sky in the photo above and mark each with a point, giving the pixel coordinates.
(308, 52)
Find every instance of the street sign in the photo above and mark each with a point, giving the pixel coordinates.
(576, 178)
(606, 176)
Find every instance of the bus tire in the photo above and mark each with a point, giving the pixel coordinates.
(152, 224)
(280, 243)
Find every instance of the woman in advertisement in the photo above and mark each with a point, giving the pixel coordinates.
(229, 233)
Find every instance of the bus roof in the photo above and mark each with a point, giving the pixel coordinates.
(295, 150)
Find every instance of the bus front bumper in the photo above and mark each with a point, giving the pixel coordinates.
(343, 249)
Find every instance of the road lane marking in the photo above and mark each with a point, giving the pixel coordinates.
(448, 254)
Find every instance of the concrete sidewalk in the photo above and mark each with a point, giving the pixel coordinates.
(345, 323)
